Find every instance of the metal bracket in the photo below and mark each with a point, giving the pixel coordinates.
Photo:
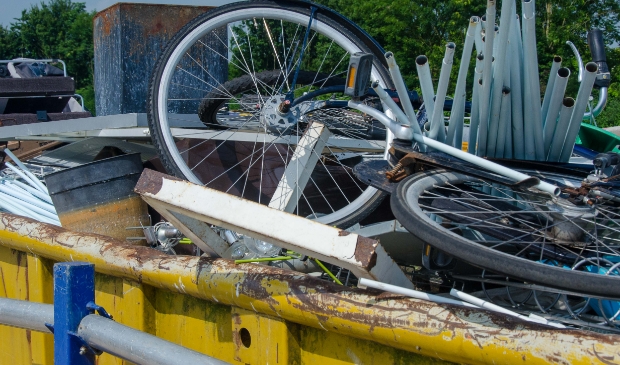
(99, 309)
(85, 345)
(49, 327)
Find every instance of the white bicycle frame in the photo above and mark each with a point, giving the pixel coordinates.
(403, 129)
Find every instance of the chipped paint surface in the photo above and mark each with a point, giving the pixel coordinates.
(439, 331)
(364, 257)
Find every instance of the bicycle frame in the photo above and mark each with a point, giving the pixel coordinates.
(404, 130)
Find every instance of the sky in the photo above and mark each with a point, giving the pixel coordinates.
(12, 9)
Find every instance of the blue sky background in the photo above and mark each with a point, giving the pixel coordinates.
(12, 9)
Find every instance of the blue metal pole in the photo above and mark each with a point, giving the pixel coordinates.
(74, 287)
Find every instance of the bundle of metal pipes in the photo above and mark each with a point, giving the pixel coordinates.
(508, 119)
(29, 198)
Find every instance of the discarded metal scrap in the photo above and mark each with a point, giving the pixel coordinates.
(191, 208)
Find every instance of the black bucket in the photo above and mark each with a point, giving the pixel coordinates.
(98, 197)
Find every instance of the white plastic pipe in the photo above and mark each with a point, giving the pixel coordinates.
(38, 183)
(555, 103)
(23, 175)
(496, 308)
(23, 211)
(7, 189)
(438, 127)
(39, 194)
(411, 293)
(455, 128)
(585, 88)
(31, 207)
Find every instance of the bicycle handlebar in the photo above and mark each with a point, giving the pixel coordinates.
(597, 49)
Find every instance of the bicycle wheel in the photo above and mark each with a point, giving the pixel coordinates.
(215, 107)
(525, 235)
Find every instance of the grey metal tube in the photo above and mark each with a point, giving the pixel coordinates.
(455, 128)
(484, 163)
(499, 68)
(508, 148)
(439, 146)
(578, 58)
(401, 89)
(532, 107)
(556, 98)
(478, 37)
(306, 266)
(475, 109)
(562, 126)
(484, 97)
(438, 128)
(600, 105)
(400, 131)
(136, 346)
(24, 314)
(585, 88)
(503, 124)
(391, 104)
(516, 96)
(426, 84)
(555, 66)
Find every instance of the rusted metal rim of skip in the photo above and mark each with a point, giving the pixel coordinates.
(443, 331)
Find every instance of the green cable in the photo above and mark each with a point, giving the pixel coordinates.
(327, 271)
(263, 259)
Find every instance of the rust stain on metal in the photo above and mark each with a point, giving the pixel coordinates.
(110, 219)
(108, 17)
(365, 252)
(343, 233)
(448, 331)
(151, 181)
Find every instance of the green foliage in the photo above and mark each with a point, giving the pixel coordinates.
(88, 93)
(410, 28)
(255, 38)
(59, 29)
(8, 43)
(611, 114)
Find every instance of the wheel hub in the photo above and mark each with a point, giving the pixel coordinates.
(277, 116)
(571, 222)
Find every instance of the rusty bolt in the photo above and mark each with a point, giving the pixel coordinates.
(285, 106)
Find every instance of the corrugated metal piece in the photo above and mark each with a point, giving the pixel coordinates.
(188, 300)
(128, 40)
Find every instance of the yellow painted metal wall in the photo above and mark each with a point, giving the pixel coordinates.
(198, 324)
(252, 314)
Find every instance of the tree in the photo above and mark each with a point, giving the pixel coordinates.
(59, 29)
(410, 28)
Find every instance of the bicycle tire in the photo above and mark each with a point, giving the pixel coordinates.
(343, 34)
(412, 204)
